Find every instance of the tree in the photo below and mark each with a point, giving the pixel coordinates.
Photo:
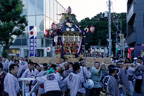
(100, 35)
(12, 22)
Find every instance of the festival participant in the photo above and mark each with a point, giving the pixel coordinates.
(11, 61)
(62, 61)
(65, 70)
(42, 73)
(5, 63)
(139, 75)
(11, 84)
(141, 68)
(84, 74)
(51, 83)
(70, 68)
(110, 81)
(123, 80)
(31, 72)
(16, 62)
(65, 73)
(38, 67)
(73, 81)
(22, 67)
(131, 76)
(2, 76)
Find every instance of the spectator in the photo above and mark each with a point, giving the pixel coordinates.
(96, 77)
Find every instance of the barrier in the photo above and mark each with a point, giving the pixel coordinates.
(57, 60)
(23, 85)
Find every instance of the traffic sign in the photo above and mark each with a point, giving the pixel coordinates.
(48, 49)
(92, 28)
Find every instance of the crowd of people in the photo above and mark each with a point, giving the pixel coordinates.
(71, 78)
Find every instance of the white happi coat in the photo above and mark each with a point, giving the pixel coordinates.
(30, 74)
(83, 73)
(22, 67)
(5, 64)
(10, 63)
(73, 83)
(41, 90)
(50, 81)
(11, 85)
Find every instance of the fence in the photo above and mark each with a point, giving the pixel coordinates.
(23, 85)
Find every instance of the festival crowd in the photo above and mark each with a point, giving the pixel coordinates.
(71, 78)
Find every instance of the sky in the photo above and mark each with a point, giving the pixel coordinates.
(89, 8)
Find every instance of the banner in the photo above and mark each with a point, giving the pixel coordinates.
(32, 41)
(129, 52)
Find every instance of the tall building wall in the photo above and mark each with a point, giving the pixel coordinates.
(39, 13)
(135, 22)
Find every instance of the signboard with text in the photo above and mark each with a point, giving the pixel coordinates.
(32, 41)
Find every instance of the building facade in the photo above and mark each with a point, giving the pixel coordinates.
(39, 13)
(99, 49)
(135, 22)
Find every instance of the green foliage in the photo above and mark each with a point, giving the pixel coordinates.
(100, 35)
(12, 22)
(4, 53)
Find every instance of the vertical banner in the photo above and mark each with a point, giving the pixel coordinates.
(129, 52)
(140, 51)
(33, 41)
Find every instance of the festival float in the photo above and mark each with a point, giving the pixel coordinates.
(68, 37)
(68, 40)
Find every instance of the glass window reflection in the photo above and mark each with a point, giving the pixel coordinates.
(40, 26)
(39, 7)
(31, 7)
(47, 8)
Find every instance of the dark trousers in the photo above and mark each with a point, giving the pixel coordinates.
(88, 92)
(53, 93)
(95, 92)
(79, 94)
(138, 85)
(6, 94)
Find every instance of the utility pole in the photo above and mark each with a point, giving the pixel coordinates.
(117, 26)
(110, 44)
